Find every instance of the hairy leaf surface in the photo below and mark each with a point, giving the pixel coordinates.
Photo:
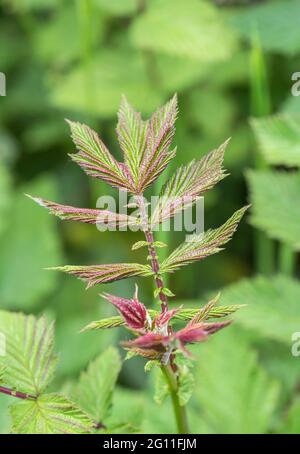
(49, 414)
(29, 361)
(100, 274)
(201, 246)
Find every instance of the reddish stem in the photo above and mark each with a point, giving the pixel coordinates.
(11, 392)
(169, 371)
(152, 252)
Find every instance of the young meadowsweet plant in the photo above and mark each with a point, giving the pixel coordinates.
(146, 147)
(155, 337)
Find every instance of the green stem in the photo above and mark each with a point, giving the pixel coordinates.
(179, 411)
(260, 106)
(286, 259)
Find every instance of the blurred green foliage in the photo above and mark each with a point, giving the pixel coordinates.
(74, 59)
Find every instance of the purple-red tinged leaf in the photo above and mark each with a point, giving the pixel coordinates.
(211, 328)
(164, 317)
(89, 216)
(133, 312)
(96, 160)
(200, 246)
(191, 334)
(188, 183)
(198, 332)
(101, 274)
(151, 340)
(161, 130)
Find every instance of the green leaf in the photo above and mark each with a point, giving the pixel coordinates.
(164, 290)
(276, 24)
(105, 323)
(201, 246)
(117, 7)
(96, 385)
(2, 373)
(186, 380)
(274, 210)
(26, 5)
(61, 27)
(229, 380)
(156, 292)
(111, 73)
(291, 422)
(172, 80)
(167, 292)
(272, 305)
(49, 414)
(132, 134)
(192, 29)
(127, 411)
(189, 182)
(29, 361)
(30, 244)
(159, 244)
(278, 137)
(77, 350)
(151, 364)
(138, 245)
(162, 389)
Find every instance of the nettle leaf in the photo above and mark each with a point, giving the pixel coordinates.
(201, 246)
(188, 183)
(101, 274)
(2, 373)
(276, 25)
(95, 388)
(161, 387)
(182, 315)
(273, 196)
(95, 159)
(49, 414)
(29, 361)
(186, 380)
(87, 215)
(113, 70)
(191, 29)
(278, 137)
(230, 380)
(161, 130)
(272, 305)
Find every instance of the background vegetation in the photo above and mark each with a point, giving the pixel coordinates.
(231, 63)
